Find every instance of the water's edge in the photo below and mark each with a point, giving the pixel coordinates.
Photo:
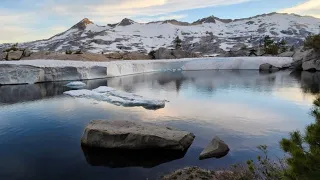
(35, 71)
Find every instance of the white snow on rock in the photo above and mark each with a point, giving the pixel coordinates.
(148, 36)
(116, 97)
(12, 72)
(76, 84)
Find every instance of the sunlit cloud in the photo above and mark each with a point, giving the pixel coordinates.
(311, 8)
(161, 18)
(24, 19)
(20, 24)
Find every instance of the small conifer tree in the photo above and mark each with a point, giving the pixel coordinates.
(177, 42)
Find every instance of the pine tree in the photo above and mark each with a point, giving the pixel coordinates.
(283, 46)
(304, 150)
(267, 41)
(253, 52)
(270, 47)
(177, 42)
(313, 42)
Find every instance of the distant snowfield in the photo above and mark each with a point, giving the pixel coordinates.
(13, 72)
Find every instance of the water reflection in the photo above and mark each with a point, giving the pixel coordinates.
(244, 108)
(309, 81)
(29, 92)
(129, 158)
(207, 81)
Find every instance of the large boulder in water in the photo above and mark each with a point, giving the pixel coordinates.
(134, 136)
(268, 68)
(306, 59)
(216, 148)
(311, 61)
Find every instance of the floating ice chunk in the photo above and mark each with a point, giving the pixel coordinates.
(76, 84)
(119, 98)
(103, 89)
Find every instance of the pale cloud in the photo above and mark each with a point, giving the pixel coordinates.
(111, 12)
(108, 11)
(21, 25)
(20, 34)
(310, 8)
(161, 18)
(174, 16)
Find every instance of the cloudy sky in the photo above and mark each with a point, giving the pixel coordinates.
(26, 20)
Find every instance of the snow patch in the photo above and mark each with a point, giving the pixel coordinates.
(116, 97)
(76, 84)
(226, 47)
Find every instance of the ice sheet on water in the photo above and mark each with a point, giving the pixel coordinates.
(116, 97)
(76, 84)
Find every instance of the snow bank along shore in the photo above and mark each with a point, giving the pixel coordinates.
(35, 71)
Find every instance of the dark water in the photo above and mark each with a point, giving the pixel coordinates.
(40, 129)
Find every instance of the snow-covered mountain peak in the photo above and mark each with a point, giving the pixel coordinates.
(126, 22)
(211, 19)
(210, 35)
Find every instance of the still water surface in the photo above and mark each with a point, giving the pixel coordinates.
(40, 128)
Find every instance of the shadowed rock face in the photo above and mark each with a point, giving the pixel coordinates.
(129, 158)
(126, 22)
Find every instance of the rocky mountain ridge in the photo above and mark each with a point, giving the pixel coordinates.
(208, 36)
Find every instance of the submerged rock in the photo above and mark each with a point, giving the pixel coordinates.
(134, 136)
(215, 149)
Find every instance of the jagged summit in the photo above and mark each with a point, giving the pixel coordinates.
(82, 24)
(211, 19)
(176, 22)
(126, 22)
